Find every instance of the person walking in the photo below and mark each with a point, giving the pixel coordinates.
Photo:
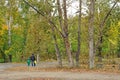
(28, 61)
(33, 60)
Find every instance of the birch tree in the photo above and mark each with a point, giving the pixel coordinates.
(9, 23)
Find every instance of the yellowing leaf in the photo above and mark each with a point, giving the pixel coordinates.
(5, 27)
(112, 41)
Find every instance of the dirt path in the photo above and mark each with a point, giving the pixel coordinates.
(61, 75)
(58, 75)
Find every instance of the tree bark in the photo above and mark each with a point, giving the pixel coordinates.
(66, 37)
(79, 38)
(64, 28)
(59, 59)
(91, 34)
(9, 29)
(60, 15)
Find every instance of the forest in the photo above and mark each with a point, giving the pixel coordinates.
(46, 28)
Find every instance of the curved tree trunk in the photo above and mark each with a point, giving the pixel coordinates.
(59, 59)
(64, 32)
(68, 51)
(64, 27)
(66, 37)
(101, 32)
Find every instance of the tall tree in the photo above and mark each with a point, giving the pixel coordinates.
(101, 26)
(66, 35)
(79, 31)
(59, 59)
(61, 25)
(65, 29)
(9, 23)
(91, 33)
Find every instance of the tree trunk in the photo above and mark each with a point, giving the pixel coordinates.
(66, 37)
(91, 34)
(68, 51)
(60, 15)
(101, 33)
(79, 30)
(59, 59)
(100, 51)
(9, 37)
(64, 32)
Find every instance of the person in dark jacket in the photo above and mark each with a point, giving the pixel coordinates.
(32, 60)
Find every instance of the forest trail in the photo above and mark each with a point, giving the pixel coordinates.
(51, 75)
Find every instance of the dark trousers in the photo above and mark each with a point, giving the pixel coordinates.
(32, 62)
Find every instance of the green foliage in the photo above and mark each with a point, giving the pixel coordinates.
(31, 33)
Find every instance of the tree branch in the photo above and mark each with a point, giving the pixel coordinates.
(42, 13)
(103, 22)
(107, 15)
